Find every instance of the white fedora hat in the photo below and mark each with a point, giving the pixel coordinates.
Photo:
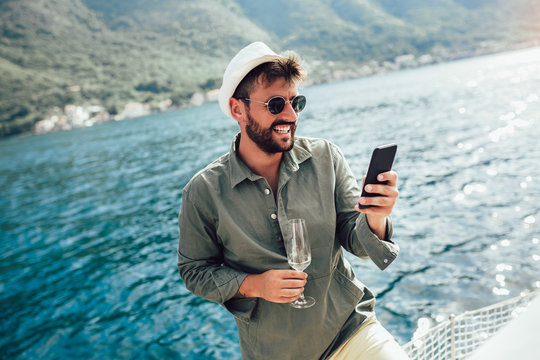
(241, 64)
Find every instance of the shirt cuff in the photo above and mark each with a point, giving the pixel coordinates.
(381, 251)
(228, 282)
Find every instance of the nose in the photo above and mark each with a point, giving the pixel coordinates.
(288, 112)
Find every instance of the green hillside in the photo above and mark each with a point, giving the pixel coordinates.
(109, 53)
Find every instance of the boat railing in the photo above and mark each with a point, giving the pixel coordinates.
(459, 335)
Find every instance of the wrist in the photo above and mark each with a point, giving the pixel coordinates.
(377, 224)
(248, 287)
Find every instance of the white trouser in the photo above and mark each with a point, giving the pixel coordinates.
(371, 342)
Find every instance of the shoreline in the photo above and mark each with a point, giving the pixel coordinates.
(75, 116)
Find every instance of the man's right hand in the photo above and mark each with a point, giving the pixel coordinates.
(280, 286)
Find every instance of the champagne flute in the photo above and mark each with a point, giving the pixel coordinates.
(299, 256)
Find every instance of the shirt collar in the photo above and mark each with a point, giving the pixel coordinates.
(239, 171)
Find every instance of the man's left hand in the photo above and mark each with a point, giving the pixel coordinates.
(382, 204)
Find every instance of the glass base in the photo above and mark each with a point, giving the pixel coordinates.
(303, 303)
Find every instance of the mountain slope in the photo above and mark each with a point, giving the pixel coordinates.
(58, 52)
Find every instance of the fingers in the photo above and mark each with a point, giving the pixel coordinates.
(288, 295)
(384, 190)
(386, 196)
(292, 274)
(292, 285)
(390, 176)
(377, 202)
(282, 285)
(375, 210)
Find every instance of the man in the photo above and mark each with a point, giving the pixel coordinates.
(234, 217)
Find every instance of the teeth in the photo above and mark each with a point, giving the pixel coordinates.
(282, 129)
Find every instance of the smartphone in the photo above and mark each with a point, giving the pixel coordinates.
(381, 161)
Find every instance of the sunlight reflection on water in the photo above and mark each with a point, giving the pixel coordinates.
(89, 229)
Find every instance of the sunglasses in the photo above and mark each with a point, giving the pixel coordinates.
(276, 104)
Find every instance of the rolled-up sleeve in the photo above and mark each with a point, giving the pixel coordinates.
(200, 256)
(381, 252)
(353, 229)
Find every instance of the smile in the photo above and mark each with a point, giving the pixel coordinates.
(282, 129)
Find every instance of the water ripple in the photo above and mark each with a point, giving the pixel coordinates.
(88, 218)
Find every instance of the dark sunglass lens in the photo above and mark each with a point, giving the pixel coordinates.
(299, 103)
(276, 105)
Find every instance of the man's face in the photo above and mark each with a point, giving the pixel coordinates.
(272, 133)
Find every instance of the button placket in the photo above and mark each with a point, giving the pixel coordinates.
(271, 207)
(270, 200)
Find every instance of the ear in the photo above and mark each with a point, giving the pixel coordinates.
(237, 109)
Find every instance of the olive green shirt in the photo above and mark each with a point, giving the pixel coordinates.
(231, 226)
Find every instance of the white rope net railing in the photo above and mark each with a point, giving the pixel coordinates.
(458, 337)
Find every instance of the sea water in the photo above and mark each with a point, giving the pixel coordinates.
(88, 218)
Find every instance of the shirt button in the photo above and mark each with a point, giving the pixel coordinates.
(267, 191)
(273, 216)
(385, 261)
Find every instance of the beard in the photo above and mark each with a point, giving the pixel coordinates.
(264, 138)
